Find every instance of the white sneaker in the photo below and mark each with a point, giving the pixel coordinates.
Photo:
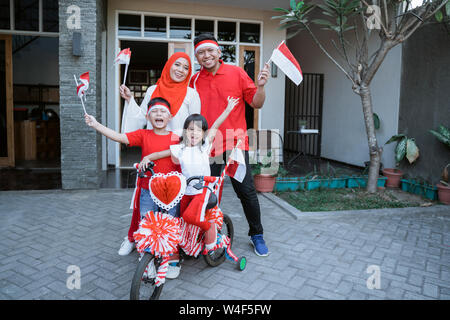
(126, 247)
(173, 270)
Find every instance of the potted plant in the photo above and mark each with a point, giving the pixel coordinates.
(406, 148)
(443, 135)
(265, 171)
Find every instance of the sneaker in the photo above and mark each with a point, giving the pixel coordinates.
(174, 270)
(260, 246)
(126, 247)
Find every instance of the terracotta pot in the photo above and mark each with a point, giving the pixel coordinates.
(443, 193)
(264, 182)
(393, 177)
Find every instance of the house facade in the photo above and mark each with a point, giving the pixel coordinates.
(45, 43)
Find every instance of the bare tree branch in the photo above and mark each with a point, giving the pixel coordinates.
(328, 55)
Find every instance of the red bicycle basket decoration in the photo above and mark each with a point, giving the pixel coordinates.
(158, 234)
(167, 189)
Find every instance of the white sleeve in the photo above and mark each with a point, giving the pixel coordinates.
(194, 103)
(133, 118)
(176, 151)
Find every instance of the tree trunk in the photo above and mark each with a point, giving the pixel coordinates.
(374, 150)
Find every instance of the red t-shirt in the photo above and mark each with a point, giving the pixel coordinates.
(214, 90)
(151, 142)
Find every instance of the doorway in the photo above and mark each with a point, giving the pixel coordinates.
(249, 61)
(6, 103)
(146, 64)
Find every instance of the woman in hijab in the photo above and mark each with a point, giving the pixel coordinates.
(173, 85)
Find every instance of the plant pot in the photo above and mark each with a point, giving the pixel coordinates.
(264, 182)
(423, 190)
(443, 193)
(361, 182)
(287, 184)
(393, 177)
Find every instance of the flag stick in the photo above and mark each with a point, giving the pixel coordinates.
(268, 61)
(81, 98)
(125, 75)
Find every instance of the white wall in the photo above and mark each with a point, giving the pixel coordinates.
(272, 114)
(343, 131)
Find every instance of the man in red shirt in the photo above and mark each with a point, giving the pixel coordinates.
(214, 83)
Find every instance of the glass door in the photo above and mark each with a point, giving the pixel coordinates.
(6, 104)
(249, 61)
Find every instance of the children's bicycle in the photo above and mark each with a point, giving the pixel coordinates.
(161, 235)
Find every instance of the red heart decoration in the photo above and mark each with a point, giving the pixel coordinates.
(167, 189)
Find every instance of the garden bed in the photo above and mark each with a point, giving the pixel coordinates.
(349, 199)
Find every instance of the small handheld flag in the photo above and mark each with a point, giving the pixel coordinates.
(285, 60)
(124, 57)
(82, 87)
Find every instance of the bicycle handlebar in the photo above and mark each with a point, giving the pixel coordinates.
(141, 173)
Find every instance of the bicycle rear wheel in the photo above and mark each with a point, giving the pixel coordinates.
(142, 287)
(219, 256)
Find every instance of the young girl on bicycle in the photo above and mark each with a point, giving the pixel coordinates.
(192, 153)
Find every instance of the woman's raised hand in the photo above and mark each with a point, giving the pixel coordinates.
(125, 92)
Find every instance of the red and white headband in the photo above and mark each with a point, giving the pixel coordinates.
(159, 106)
(206, 43)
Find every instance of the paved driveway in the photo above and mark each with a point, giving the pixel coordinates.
(313, 255)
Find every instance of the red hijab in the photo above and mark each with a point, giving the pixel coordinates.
(173, 92)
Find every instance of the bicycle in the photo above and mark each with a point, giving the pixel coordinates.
(149, 277)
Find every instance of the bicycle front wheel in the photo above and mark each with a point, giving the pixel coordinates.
(219, 256)
(142, 286)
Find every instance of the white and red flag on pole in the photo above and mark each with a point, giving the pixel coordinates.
(124, 57)
(284, 60)
(236, 168)
(82, 87)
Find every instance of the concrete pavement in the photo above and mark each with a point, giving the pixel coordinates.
(313, 255)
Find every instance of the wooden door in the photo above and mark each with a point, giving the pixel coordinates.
(6, 103)
(249, 61)
(179, 47)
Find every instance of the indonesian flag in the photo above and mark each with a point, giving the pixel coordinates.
(123, 57)
(236, 168)
(284, 59)
(83, 85)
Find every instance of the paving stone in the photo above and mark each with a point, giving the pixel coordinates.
(316, 256)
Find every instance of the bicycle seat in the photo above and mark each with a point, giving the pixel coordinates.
(212, 200)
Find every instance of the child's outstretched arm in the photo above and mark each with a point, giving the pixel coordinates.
(232, 102)
(152, 157)
(109, 133)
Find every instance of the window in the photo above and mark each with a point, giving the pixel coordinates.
(204, 26)
(155, 27)
(5, 23)
(180, 28)
(50, 16)
(129, 25)
(34, 16)
(226, 31)
(230, 33)
(249, 32)
(228, 53)
(26, 15)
